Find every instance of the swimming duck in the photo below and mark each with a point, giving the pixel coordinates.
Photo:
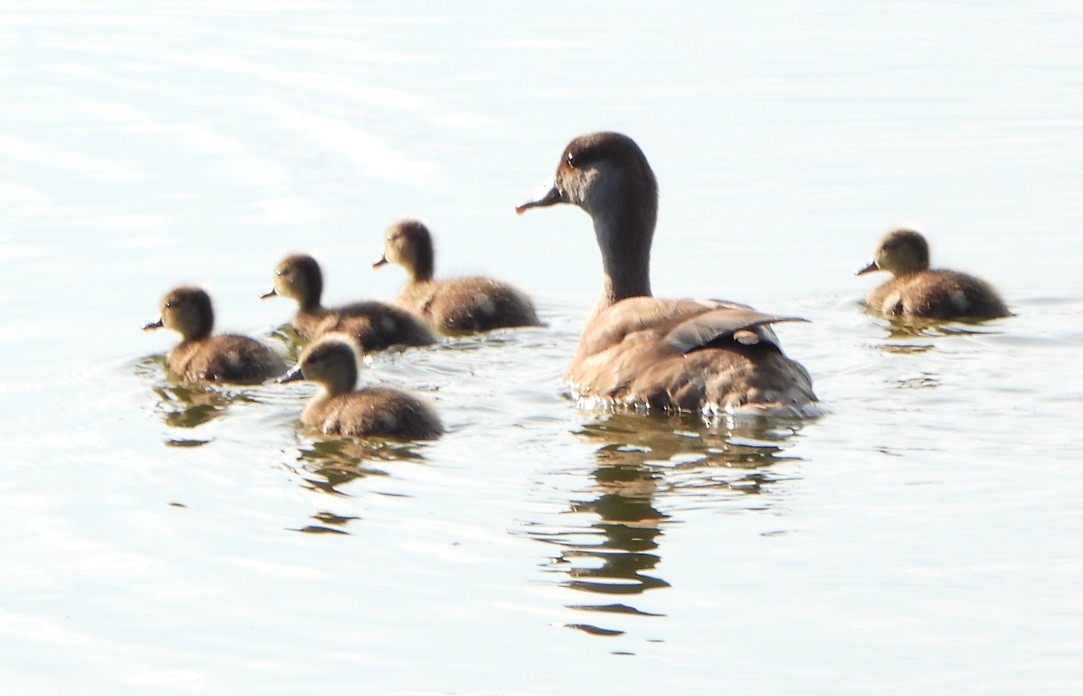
(331, 362)
(919, 291)
(201, 356)
(456, 305)
(374, 325)
(641, 351)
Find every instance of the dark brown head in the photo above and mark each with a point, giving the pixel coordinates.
(408, 243)
(298, 277)
(899, 252)
(600, 172)
(188, 311)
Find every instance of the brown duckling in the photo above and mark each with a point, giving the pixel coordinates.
(919, 291)
(374, 325)
(201, 357)
(640, 351)
(455, 305)
(331, 362)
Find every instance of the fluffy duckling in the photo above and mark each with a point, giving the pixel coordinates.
(374, 325)
(456, 305)
(919, 291)
(331, 362)
(640, 351)
(201, 357)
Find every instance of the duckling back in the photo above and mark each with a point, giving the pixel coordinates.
(468, 305)
(225, 358)
(375, 326)
(937, 294)
(373, 412)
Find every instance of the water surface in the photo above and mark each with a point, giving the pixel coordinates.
(924, 536)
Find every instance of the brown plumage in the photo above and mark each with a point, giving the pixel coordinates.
(331, 362)
(919, 291)
(374, 325)
(644, 352)
(455, 305)
(203, 357)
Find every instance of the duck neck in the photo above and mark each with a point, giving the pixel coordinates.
(421, 266)
(624, 237)
(311, 290)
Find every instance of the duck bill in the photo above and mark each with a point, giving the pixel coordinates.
(294, 375)
(546, 195)
(270, 293)
(156, 324)
(867, 268)
(382, 262)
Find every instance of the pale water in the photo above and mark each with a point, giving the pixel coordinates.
(924, 536)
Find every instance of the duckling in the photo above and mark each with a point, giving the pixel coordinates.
(331, 362)
(201, 357)
(919, 291)
(643, 352)
(374, 325)
(455, 305)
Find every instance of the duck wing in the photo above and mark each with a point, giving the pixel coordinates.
(724, 322)
(687, 355)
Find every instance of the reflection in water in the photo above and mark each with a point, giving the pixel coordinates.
(189, 406)
(185, 405)
(641, 460)
(920, 327)
(327, 465)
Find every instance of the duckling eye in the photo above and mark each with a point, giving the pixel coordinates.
(169, 305)
(571, 160)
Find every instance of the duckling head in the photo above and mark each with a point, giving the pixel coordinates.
(408, 243)
(330, 362)
(899, 252)
(186, 310)
(298, 277)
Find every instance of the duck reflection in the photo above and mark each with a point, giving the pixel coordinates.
(189, 406)
(903, 327)
(329, 465)
(641, 462)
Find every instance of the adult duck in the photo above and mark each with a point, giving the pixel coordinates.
(644, 352)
